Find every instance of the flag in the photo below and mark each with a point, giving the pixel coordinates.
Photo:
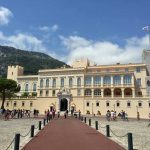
(147, 28)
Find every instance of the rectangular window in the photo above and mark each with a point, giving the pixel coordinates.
(78, 92)
(53, 93)
(88, 80)
(47, 93)
(140, 104)
(87, 104)
(41, 93)
(107, 104)
(7, 104)
(15, 104)
(138, 69)
(23, 104)
(31, 104)
(97, 104)
(118, 104)
(138, 81)
(128, 104)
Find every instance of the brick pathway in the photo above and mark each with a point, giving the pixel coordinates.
(70, 134)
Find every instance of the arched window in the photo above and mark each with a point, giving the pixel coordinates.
(70, 82)
(97, 80)
(97, 92)
(54, 83)
(117, 92)
(117, 80)
(41, 83)
(88, 80)
(127, 79)
(26, 87)
(128, 92)
(78, 81)
(107, 92)
(88, 92)
(47, 82)
(107, 80)
(62, 82)
(34, 87)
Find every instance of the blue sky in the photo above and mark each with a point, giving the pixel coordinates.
(72, 29)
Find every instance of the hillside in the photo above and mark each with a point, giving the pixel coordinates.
(31, 61)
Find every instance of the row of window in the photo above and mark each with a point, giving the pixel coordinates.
(88, 81)
(115, 105)
(22, 104)
(97, 92)
(61, 82)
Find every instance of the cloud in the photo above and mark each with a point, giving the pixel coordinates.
(5, 15)
(104, 52)
(53, 28)
(22, 41)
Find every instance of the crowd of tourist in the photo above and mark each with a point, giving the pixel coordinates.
(17, 113)
(112, 116)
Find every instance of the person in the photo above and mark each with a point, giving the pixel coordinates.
(58, 114)
(138, 116)
(65, 114)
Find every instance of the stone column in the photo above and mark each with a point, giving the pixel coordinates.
(133, 92)
(111, 81)
(122, 92)
(132, 80)
(102, 81)
(112, 93)
(122, 80)
(92, 93)
(102, 92)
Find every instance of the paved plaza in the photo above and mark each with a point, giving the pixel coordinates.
(141, 133)
(139, 130)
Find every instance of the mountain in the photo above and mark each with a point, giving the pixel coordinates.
(31, 61)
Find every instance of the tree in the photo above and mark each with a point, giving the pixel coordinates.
(7, 88)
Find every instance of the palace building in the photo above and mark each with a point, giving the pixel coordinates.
(87, 87)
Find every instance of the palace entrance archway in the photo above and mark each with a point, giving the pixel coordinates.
(63, 104)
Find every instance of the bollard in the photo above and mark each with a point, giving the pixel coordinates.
(107, 131)
(39, 125)
(17, 141)
(85, 119)
(89, 122)
(130, 141)
(44, 122)
(96, 125)
(32, 130)
(81, 118)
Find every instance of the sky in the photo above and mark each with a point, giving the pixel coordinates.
(104, 31)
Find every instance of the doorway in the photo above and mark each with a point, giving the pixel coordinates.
(63, 104)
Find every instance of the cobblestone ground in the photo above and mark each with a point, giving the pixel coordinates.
(139, 129)
(9, 128)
